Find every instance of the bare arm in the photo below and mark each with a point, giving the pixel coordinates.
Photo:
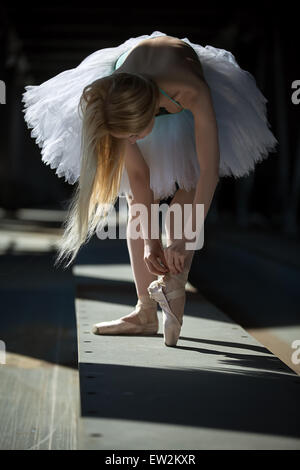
(134, 162)
(197, 98)
(139, 179)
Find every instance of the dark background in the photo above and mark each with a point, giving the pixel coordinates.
(42, 41)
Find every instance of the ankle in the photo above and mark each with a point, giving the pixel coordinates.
(145, 311)
(146, 301)
(147, 308)
(180, 278)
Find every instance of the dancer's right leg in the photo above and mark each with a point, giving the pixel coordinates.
(141, 274)
(146, 310)
(143, 319)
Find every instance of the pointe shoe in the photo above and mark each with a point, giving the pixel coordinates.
(171, 324)
(126, 325)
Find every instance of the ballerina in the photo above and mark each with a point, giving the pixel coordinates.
(161, 117)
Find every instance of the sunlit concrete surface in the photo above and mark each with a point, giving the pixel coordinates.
(281, 341)
(37, 404)
(135, 434)
(41, 215)
(23, 241)
(39, 387)
(30, 231)
(218, 389)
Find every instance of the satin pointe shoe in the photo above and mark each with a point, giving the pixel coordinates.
(145, 309)
(171, 324)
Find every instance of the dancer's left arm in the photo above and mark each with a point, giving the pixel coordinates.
(199, 101)
(197, 98)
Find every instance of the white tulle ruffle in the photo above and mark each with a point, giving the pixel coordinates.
(51, 109)
(244, 133)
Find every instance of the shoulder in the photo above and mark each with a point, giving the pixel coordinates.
(195, 95)
(183, 60)
(181, 71)
(166, 53)
(187, 86)
(174, 65)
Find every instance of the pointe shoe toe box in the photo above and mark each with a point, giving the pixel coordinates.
(119, 327)
(171, 324)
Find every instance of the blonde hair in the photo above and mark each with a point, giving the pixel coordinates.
(118, 103)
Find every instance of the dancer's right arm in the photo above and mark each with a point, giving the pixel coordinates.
(139, 179)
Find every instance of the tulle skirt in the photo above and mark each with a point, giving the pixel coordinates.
(244, 133)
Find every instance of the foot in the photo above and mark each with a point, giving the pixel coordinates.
(170, 283)
(169, 291)
(143, 320)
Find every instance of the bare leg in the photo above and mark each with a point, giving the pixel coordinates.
(181, 197)
(146, 309)
(176, 281)
(141, 274)
(143, 319)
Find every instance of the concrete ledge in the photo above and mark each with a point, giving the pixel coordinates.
(218, 389)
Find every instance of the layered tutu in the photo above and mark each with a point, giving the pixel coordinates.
(244, 133)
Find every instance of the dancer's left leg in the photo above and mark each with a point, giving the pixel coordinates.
(172, 280)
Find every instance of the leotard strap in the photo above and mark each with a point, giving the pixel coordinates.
(176, 102)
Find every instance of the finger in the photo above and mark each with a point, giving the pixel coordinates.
(171, 263)
(177, 263)
(174, 261)
(151, 268)
(168, 259)
(164, 265)
(156, 265)
(163, 259)
(147, 264)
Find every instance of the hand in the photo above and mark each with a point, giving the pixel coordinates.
(175, 254)
(154, 257)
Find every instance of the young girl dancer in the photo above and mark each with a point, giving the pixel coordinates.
(152, 118)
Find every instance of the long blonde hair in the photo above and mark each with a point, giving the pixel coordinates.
(118, 103)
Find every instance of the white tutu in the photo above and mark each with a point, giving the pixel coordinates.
(244, 133)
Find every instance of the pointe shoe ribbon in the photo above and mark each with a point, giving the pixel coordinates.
(172, 326)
